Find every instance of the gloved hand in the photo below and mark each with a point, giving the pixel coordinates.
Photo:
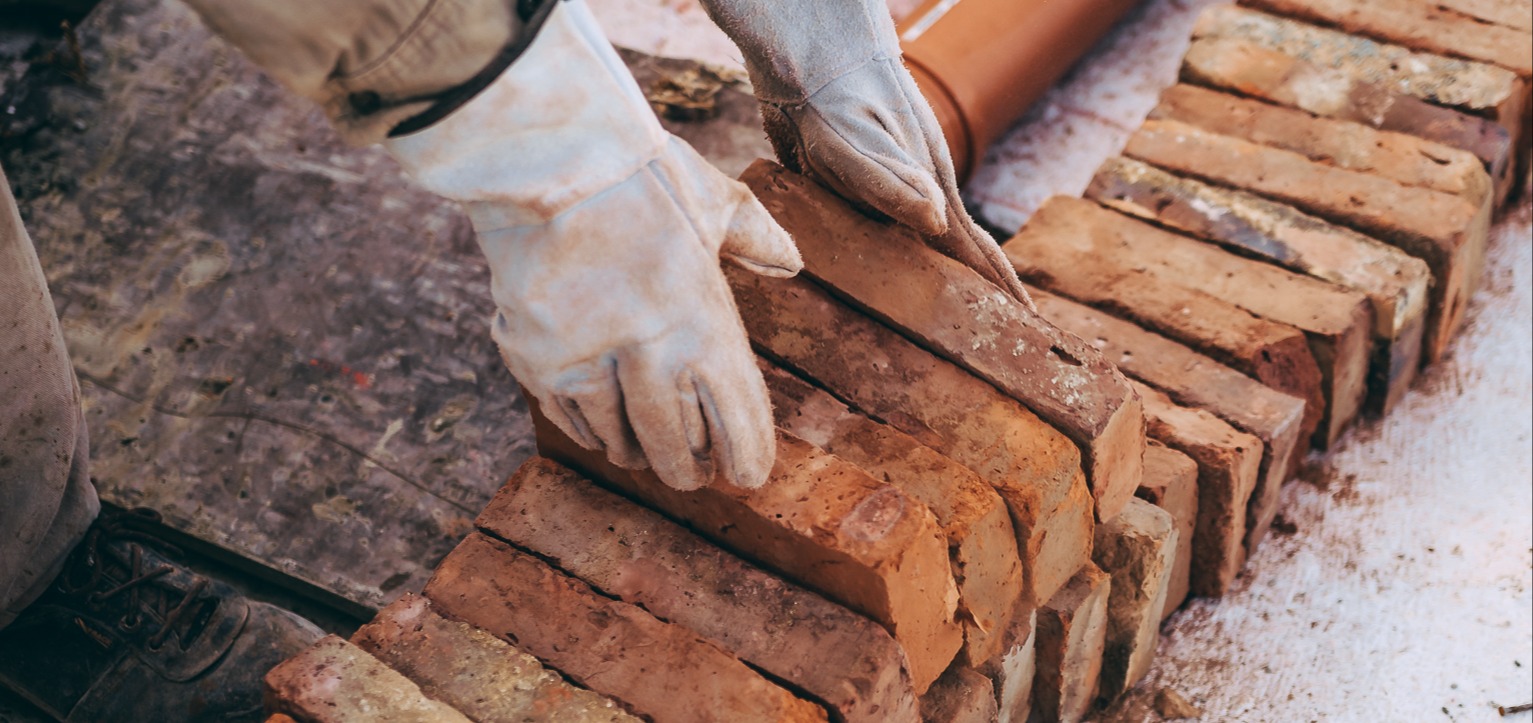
(603, 234)
(838, 104)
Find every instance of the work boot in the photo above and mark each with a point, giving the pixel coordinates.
(125, 634)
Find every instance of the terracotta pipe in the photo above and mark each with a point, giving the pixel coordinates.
(983, 63)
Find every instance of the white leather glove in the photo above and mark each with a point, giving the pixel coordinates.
(603, 234)
(839, 104)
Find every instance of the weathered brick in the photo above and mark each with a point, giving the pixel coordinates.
(1251, 69)
(1447, 231)
(982, 544)
(1400, 157)
(1138, 549)
(1476, 87)
(1396, 283)
(1034, 467)
(1048, 252)
(658, 669)
(1337, 322)
(1517, 14)
(480, 675)
(842, 659)
(1228, 463)
(1419, 25)
(1072, 633)
(1171, 483)
(824, 524)
(1195, 380)
(334, 681)
(947, 307)
(959, 696)
(1012, 673)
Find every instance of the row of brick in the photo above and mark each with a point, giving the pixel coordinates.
(977, 514)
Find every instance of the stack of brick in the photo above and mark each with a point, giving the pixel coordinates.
(980, 511)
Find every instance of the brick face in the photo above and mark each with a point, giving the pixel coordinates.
(660, 670)
(1072, 633)
(823, 523)
(959, 696)
(1171, 483)
(476, 673)
(841, 658)
(334, 681)
(1448, 232)
(1137, 549)
(982, 544)
(1033, 467)
(1396, 283)
(953, 311)
(1228, 462)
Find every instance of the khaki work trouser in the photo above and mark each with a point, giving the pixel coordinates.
(370, 64)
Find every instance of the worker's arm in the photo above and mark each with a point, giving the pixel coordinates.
(840, 105)
(603, 231)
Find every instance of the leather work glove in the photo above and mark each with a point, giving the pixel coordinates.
(838, 104)
(603, 234)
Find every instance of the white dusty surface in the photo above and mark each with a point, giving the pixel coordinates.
(1405, 591)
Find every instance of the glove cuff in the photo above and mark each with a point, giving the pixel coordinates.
(793, 48)
(562, 123)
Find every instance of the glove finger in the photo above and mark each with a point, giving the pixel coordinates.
(665, 415)
(886, 176)
(734, 401)
(756, 242)
(597, 403)
(974, 247)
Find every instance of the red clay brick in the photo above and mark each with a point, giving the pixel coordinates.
(1034, 467)
(1228, 461)
(1012, 673)
(1047, 252)
(660, 670)
(1414, 24)
(1137, 548)
(1396, 283)
(959, 696)
(1171, 483)
(947, 307)
(1072, 633)
(824, 524)
(1250, 69)
(334, 681)
(1447, 231)
(1337, 322)
(982, 545)
(475, 672)
(1195, 380)
(842, 659)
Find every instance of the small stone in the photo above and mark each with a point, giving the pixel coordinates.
(1172, 706)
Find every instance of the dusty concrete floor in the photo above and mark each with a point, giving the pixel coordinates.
(1401, 587)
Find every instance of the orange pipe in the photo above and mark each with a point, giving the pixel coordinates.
(983, 63)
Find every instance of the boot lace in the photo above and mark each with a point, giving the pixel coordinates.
(97, 576)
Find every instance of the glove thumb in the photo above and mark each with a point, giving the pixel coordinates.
(755, 242)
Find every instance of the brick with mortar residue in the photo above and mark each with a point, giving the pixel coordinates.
(1171, 483)
(1516, 14)
(1336, 321)
(873, 369)
(959, 696)
(823, 523)
(334, 681)
(475, 672)
(982, 545)
(1228, 461)
(1072, 634)
(1446, 231)
(842, 659)
(1415, 24)
(659, 670)
(1137, 549)
(1195, 380)
(949, 308)
(1397, 284)
(1013, 672)
(1250, 69)
(1047, 254)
